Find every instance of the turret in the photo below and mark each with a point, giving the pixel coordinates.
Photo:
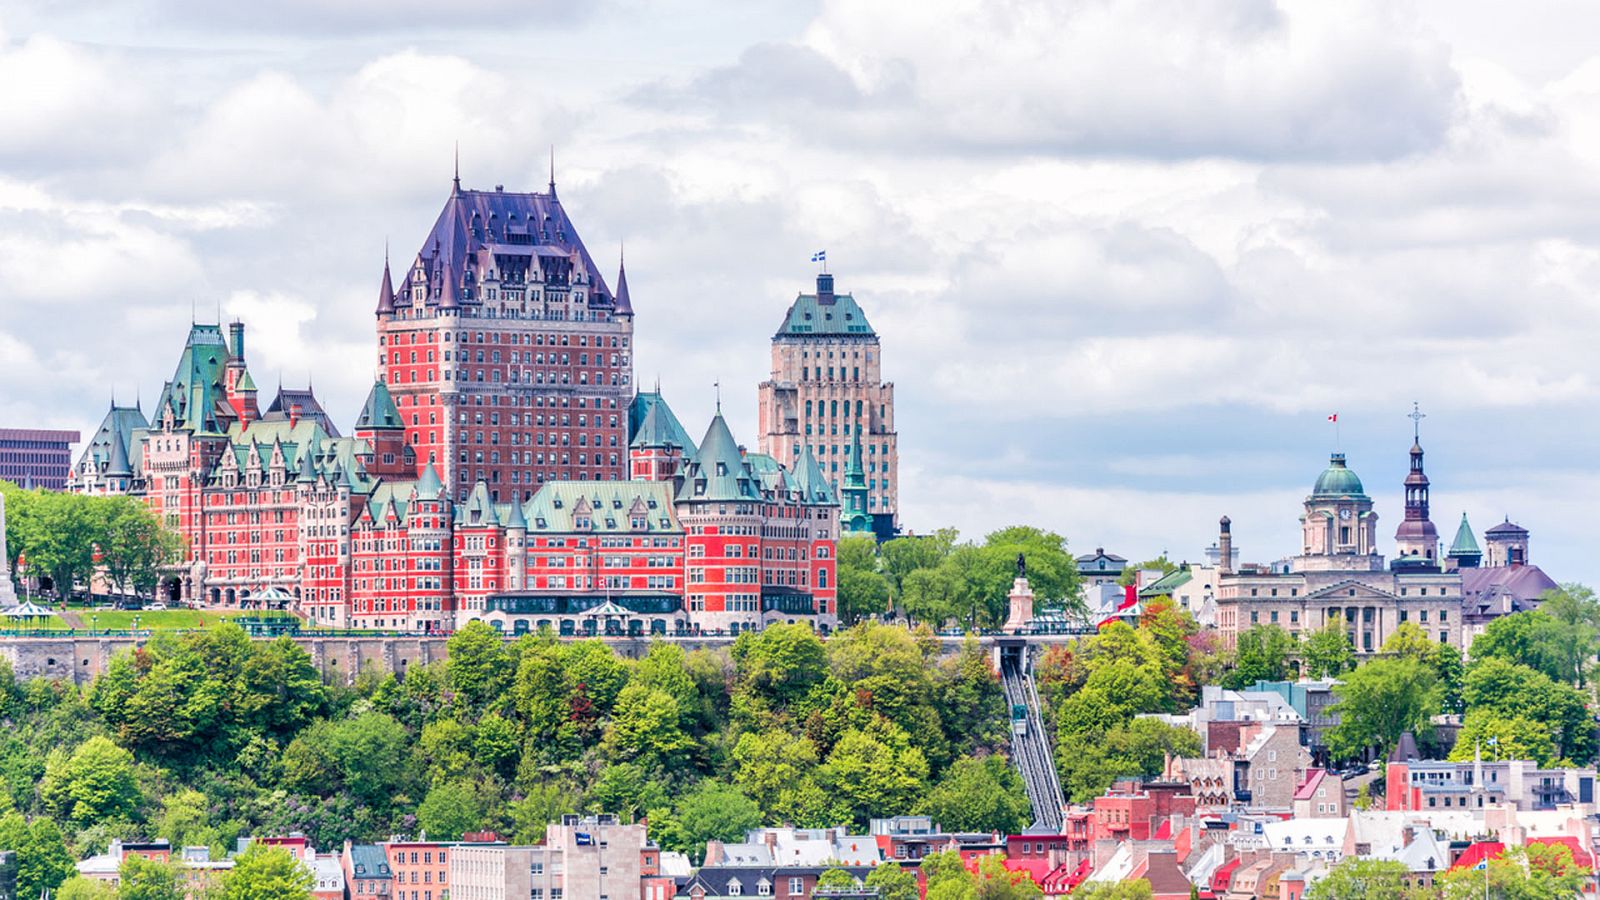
(1416, 539)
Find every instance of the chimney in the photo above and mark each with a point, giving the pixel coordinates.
(236, 339)
(1407, 835)
(824, 288)
(294, 414)
(1225, 547)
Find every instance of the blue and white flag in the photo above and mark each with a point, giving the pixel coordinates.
(820, 256)
(1482, 864)
(583, 839)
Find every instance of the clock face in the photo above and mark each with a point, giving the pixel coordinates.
(1344, 513)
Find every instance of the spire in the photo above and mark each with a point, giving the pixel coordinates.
(853, 469)
(552, 171)
(455, 184)
(517, 520)
(1465, 546)
(308, 467)
(430, 486)
(386, 289)
(623, 304)
(379, 411)
(118, 464)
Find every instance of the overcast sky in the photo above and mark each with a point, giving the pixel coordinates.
(1125, 257)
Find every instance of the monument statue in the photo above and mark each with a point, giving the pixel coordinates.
(8, 594)
(1022, 567)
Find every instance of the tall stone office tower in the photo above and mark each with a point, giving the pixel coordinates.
(827, 392)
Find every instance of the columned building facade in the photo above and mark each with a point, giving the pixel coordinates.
(827, 392)
(1340, 574)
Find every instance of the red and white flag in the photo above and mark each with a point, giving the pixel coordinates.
(1333, 418)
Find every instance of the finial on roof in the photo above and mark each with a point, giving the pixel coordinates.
(717, 386)
(658, 382)
(1416, 416)
(456, 182)
(552, 171)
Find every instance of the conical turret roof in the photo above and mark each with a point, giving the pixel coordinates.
(429, 485)
(1465, 543)
(810, 481)
(386, 289)
(379, 411)
(717, 471)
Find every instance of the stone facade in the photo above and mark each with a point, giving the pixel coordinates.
(1340, 572)
(827, 391)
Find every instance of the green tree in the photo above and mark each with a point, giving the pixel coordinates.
(1576, 639)
(892, 882)
(1381, 700)
(1526, 638)
(1261, 654)
(80, 888)
(862, 593)
(869, 773)
(265, 873)
(477, 666)
(147, 879)
(96, 782)
(451, 809)
(1138, 889)
(935, 595)
(835, 878)
(947, 877)
(1512, 690)
(715, 810)
(1327, 652)
(857, 551)
(979, 795)
(134, 545)
(1357, 878)
(185, 820)
(647, 727)
(904, 555)
(778, 771)
(43, 862)
(1534, 872)
(780, 663)
(1502, 737)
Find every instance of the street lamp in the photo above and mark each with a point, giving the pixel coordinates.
(94, 621)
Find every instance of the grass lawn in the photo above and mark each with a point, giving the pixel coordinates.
(121, 619)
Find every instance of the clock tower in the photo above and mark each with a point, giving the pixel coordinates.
(1339, 528)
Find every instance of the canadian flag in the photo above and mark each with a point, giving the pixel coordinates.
(1333, 418)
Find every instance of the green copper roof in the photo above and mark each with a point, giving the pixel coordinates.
(607, 506)
(478, 510)
(809, 316)
(429, 485)
(1464, 544)
(1166, 584)
(652, 424)
(124, 425)
(1337, 480)
(813, 486)
(718, 470)
(379, 411)
(246, 383)
(196, 393)
(855, 474)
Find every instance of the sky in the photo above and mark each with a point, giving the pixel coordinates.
(1125, 256)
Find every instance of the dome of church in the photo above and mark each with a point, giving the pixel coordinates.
(1337, 480)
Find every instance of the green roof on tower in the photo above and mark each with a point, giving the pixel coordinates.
(825, 313)
(1337, 480)
(652, 424)
(1464, 544)
(718, 471)
(195, 393)
(379, 411)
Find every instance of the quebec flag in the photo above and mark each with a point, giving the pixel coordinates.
(583, 839)
(820, 256)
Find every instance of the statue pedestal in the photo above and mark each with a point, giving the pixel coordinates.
(1021, 614)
